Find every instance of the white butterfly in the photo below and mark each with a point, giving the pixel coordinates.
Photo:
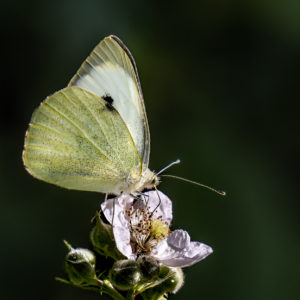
(94, 135)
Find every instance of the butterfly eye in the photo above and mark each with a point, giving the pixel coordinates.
(155, 181)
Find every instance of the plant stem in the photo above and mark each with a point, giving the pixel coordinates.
(130, 295)
(98, 286)
(108, 288)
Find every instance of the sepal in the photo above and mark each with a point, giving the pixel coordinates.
(103, 240)
(80, 265)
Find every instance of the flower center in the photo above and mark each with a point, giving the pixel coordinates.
(146, 230)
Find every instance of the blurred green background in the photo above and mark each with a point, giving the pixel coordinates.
(221, 87)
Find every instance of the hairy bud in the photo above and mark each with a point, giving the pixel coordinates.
(149, 267)
(169, 280)
(125, 274)
(80, 265)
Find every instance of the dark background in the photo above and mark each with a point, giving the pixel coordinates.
(221, 87)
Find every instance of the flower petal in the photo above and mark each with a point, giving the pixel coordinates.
(178, 251)
(122, 239)
(113, 209)
(114, 212)
(179, 239)
(159, 203)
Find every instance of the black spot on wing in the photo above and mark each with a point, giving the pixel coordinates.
(109, 106)
(108, 99)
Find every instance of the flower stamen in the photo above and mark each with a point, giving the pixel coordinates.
(146, 229)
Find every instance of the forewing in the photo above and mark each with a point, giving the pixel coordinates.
(111, 73)
(79, 141)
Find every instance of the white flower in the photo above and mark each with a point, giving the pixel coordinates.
(141, 226)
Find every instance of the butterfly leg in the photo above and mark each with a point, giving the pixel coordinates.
(159, 200)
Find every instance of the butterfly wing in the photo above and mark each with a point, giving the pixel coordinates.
(77, 140)
(111, 73)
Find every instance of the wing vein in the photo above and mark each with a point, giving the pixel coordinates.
(63, 156)
(97, 121)
(82, 132)
(78, 98)
(114, 150)
(37, 125)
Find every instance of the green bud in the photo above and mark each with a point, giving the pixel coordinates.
(103, 241)
(125, 274)
(169, 280)
(149, 266)
(174, 279)
(80, 265)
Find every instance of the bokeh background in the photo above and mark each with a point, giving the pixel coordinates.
(221, 87)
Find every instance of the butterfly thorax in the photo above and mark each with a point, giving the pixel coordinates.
(137, 183)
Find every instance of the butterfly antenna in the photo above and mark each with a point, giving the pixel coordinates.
(177, 161)
(222, 193)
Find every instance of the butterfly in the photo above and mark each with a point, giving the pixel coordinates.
(93, 135)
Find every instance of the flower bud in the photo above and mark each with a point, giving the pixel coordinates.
(125, 274)
(169, 280)
(103, 241)
(80, 265)
(149, 267)
(174, 279)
